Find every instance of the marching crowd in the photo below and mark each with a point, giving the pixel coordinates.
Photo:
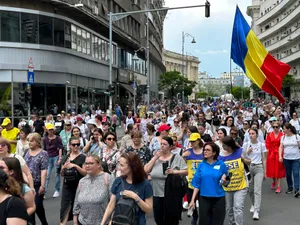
(202, 157)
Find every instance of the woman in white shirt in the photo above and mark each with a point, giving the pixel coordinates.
(295, 122)
(22, 144)
(255, 125)
(289, 146)
(257, 153)
(221, 134)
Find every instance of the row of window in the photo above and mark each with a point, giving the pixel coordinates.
(279, 18)
(39, 29)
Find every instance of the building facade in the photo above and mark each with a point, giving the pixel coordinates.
(189, 64)
(69, 51)
(277, 25)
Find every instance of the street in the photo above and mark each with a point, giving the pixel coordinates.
(277, 209)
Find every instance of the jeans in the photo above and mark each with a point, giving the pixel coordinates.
(52, 165)
(235, 206)
(255, 185)
(292, 166)
(40, 210)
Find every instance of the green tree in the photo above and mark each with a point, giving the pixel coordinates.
(288, 81)
(202, 94)
(240, 92)
(172, 83)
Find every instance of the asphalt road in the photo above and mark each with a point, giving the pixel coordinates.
(276, 209)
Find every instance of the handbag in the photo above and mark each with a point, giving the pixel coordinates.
(70, 174)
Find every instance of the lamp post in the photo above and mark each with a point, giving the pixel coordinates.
(182, 65)
(117, 16)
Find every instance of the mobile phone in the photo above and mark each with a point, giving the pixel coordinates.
(165, 166)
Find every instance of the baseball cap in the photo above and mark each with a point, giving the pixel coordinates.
(273, 118)
(195, 137)
(58, 115)
(5, 122)
(164, 127)
(79, 118)
(92, 121)
(50, 126)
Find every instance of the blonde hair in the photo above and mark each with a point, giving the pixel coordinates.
(36, 137)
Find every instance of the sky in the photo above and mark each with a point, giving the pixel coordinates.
(212, 35)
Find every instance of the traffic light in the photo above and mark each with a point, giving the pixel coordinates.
(207, 9)
(112, 89)
(22, 96)
(28, 96)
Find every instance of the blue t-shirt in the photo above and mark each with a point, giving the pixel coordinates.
(143, 189)
(207, 178)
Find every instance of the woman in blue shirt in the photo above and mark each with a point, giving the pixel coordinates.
(209, 178)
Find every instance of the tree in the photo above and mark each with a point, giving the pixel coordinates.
(202, 94)
(240, 92)
(172, 83)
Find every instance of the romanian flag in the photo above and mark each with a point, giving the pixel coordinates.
(260, 67)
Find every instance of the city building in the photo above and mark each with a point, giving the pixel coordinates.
(175, 61)
(277, 25)
(202, 75)
(67, 45)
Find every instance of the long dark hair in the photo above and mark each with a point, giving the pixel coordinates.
(13, 164)
(136, 167)
(291, 127)
(9, 185)
(230, 143)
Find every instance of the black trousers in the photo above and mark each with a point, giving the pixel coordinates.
(159, 213)
(212, 210)
(189, 197)
(40, 210)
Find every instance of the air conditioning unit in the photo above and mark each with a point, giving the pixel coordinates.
(95, 10)
(135, 2)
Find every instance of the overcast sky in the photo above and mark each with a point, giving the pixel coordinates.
(213, 35)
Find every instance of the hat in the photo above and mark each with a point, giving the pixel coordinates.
(92, 121)
(73, 112)
(50, 126)
(5, 122)
(164, 127)
(63, 112)
(79, 118)
(273, 118)
(195, 137)
(67, 122)
(58, 115)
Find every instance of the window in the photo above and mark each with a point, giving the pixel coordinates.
(29, 28)
(67, 35)
(95, 47)
(100, 48)
(45, 30)
(74, 37)
(84, 41)
(79, 40)
(10, 26)
(59, 28)
(88, 43)
(103, 50)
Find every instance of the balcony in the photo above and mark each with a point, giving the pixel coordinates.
(292, 17)
(284, 40)
(292, 57)
(276, 11)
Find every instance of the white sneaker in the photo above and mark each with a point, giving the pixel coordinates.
(255, 215)
(56, 194)
(252, 209)
(185, 205)
(197, 204)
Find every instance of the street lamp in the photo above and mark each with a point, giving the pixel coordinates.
(182, 66)
(117, 16)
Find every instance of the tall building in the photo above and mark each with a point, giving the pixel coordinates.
(69, 48)
(277, 25)
(175, 61)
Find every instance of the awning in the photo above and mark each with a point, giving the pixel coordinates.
(127, 87)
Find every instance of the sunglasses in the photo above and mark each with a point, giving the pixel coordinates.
(76, 144)
(233, 133)
(175, 121)
(163, 117)
(68, 124)
(2, 145)
(276, 127)
(111, 139)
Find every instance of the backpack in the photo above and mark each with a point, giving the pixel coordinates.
(125, 211)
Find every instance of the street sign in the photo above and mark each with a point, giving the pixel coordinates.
(30, 77)
(30, 64)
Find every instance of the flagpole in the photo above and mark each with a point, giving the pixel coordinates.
(230, 75)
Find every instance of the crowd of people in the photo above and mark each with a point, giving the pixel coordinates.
(201, 157)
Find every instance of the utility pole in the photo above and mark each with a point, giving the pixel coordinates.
(147, 71)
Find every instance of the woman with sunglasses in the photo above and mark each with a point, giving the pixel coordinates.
(289, 154)
(295, 122)
(75, 132)
(72, 170)
(92, 194)
(110, 154)
(193, 156)
(235, 191)
(12, 208)
(257, 153)
(207, 182)
(236, 138)
(274, 168)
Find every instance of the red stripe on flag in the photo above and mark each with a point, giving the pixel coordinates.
(275, 71)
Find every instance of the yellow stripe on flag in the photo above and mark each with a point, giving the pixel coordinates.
(254, 59)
